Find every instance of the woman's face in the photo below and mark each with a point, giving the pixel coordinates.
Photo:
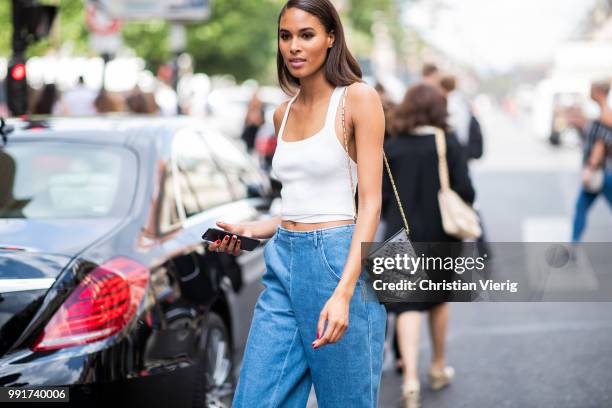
(303, 42)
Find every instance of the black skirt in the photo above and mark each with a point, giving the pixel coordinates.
(438, 275)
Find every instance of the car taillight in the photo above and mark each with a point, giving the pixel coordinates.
(100, 306)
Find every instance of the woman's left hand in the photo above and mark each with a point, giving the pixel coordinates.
(336, 313)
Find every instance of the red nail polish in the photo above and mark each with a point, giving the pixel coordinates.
(218, 241)
(226, 238)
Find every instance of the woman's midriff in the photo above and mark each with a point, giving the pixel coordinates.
(303, 226)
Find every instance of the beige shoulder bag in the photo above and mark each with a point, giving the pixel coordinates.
(458, 218)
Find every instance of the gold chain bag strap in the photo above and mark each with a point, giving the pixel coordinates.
(399, 243)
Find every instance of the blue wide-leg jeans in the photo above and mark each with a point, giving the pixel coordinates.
(280, 365)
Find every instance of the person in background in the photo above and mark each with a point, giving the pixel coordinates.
(78, 101)
(165, 96)
(430, 74)
(412, 156)
(140, 102)
(252, 122)
(107, 102)
(461, 118)
(46, 103)
(597, 156)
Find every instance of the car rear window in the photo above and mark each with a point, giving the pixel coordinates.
(65, 180)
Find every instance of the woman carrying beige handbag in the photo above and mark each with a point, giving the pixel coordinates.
(424, 184)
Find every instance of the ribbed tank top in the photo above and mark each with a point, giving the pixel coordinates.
(314, 172)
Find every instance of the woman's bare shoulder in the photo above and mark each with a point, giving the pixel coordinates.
(362, 99)
(360, 91)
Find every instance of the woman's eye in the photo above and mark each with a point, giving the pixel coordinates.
(284, 36)
(307, 36)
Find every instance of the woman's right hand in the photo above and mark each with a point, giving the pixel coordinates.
(230, 244)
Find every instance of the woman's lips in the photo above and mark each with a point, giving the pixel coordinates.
(297, 63)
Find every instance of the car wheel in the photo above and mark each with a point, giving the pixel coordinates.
(215, 380)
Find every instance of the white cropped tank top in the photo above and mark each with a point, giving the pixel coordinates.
(314, 172)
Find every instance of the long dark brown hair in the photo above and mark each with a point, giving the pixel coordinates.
(341, 68)
(423, 105)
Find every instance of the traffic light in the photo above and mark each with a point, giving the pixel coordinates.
(31, 22)
(17, 87)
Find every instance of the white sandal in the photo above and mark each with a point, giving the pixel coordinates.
(441, 378)
(411, 394)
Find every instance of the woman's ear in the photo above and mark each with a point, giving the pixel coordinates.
(331, 39)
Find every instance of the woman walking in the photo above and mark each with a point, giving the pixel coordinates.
(313, 324)
(413, 159)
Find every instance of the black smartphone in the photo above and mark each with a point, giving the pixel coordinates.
(246, 243)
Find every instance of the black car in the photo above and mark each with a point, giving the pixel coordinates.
(105, 283)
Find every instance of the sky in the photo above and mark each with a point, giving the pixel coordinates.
(496, 35)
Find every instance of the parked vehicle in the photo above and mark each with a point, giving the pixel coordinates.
(105, 283)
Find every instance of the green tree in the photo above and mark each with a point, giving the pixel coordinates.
(239, 38)
(5, 30)
(149, 40)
